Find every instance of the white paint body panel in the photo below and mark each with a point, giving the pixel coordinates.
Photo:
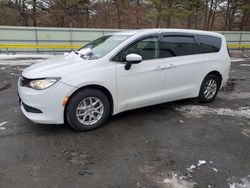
(147, 83)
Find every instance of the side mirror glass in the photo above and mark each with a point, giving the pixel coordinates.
(132, 59)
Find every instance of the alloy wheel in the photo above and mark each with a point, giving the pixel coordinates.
(89, 111)
(210, 88)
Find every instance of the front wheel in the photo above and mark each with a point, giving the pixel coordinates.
(88, 109)
(209, 88)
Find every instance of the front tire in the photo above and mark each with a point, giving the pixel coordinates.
(209, 88)
(88, 109)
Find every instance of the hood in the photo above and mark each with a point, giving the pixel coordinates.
(55, 67)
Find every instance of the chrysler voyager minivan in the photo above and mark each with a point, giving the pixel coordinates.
(124, 71)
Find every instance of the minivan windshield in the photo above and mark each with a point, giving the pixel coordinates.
(103, 45)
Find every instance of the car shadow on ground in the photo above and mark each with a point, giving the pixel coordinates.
(116, 119)
(155, 110)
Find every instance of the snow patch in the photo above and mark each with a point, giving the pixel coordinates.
(214, 169)
(165, 180)
(238, 60)
(245, 65)
(139, 185)
(11, 56)
(19, 63)
(198, 111)
(246, 132)
(81, 53)
(177, 182)
(201, 162)
(243, 183)
(2, 125)
(191, 168)
(23, 59)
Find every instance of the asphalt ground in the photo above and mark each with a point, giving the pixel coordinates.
(172, 145)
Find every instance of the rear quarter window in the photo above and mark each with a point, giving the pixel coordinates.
(208, 44)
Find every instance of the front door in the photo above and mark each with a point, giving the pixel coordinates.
(144, 83)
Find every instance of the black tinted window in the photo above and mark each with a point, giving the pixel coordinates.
(208, 44)
(171, 46)
(147, 48)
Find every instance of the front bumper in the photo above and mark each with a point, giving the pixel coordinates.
(49, 102)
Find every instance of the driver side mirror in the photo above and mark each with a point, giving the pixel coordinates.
(132, 59)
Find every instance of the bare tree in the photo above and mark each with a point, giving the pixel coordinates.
(34, 12)
(206, 14)
(158, 9)
(120, 6)
(232, 7)
(245, 15)
(170, 4)
(212, 9)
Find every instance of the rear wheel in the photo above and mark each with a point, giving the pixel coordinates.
(209, 88)
(88, 109)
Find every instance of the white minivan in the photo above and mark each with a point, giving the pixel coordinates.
(124, 71)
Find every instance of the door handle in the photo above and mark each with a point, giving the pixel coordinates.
(171, 66)
(158, 68)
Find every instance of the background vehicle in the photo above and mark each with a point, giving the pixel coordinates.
(125, 71)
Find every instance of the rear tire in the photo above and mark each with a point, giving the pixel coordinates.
(88, 109)
(209, 88)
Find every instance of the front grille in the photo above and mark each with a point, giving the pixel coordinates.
(24, 81)
(31, 109)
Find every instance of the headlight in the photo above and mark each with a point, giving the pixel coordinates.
(41, 84)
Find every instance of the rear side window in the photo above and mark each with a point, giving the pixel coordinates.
(173, 45)
(208, 44)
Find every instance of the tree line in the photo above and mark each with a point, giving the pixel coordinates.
(194, 14)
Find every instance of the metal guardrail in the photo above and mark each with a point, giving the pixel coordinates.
(239, 46)
(43, 39)
(66, 46)
(40, 46)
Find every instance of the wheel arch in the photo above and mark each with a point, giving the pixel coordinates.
(216, 73)
(93, 86)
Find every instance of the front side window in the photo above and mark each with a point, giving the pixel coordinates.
(147, 48)
(103, 45)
